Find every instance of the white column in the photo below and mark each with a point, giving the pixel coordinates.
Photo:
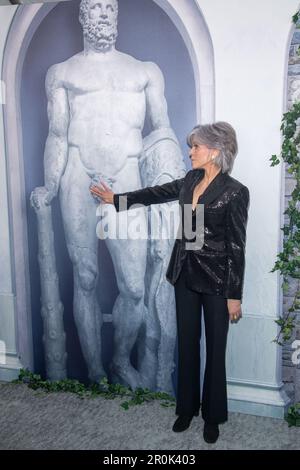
(9, 362)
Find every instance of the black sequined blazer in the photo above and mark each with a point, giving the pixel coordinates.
(218, 267)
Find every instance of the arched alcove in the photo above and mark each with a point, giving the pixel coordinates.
(188, 21)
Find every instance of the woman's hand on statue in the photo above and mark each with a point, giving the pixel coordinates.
(106, 194)
(234, 309)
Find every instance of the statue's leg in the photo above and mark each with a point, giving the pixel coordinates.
(79, 217)
(156, 361)
(160, 336)
(157, 340)
(129, 260)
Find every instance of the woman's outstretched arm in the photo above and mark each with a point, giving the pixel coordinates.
(151, 195)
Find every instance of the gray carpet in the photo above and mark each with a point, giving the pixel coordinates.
(36, 420)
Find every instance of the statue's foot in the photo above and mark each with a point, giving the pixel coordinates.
(148, 381)
(148, 370)
(97, 376)
(164, 380)
(125, 374)
(166, 387)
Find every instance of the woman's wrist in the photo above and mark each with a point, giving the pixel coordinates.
(234, 300)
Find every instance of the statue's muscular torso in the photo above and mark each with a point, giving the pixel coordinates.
(107, 106)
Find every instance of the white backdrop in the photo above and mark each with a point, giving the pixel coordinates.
(251, 42)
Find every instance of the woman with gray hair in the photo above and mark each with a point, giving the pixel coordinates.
(210, 277)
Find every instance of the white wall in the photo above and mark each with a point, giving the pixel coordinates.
(250, 41)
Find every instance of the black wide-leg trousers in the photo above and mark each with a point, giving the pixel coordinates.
(189, 305)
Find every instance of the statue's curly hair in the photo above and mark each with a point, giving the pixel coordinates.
(84, 8)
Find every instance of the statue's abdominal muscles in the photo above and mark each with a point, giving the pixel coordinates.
(106, 127)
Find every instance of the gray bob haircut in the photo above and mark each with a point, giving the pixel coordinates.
(219, 135)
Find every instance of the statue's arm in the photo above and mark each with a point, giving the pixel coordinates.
(56, 147)
(157, 107)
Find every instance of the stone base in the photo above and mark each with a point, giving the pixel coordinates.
(11, 369)
(257, 399)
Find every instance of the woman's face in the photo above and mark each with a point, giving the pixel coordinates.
(201, 155)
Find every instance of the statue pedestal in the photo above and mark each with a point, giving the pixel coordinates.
(254, 368)
(10, 364)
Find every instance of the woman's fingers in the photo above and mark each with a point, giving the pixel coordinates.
(96, 190)
(234, 316)
(98, 193)
(234, 309)
(106, 196)
(105, 186)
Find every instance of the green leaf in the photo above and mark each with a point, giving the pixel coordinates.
(275, 160)
(125, 405)
(295, 18)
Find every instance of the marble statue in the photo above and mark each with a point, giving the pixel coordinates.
(97, 103)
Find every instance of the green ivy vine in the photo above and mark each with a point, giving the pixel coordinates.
(293, 415)
(103, 389)
(288, 260)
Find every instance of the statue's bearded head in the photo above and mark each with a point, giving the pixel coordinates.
(99, 20)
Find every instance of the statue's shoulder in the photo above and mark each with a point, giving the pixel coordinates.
(62, 68)
(57, 73)
(154, 74)
(54, 78)
(150, 68)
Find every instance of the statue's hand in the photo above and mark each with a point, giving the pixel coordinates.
(41, 197)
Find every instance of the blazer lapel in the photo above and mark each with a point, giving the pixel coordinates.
(196, 177)
(213, 190)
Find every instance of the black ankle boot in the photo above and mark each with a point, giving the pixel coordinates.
(182, 423)
(210, 433)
